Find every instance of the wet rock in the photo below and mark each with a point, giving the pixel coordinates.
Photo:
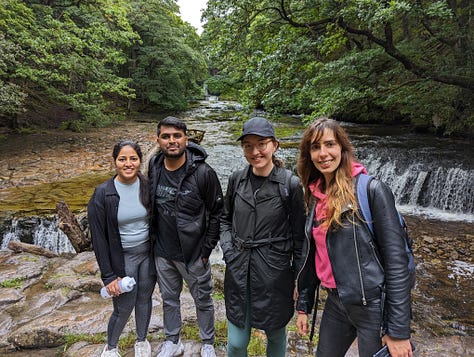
(428, 240)
(64, 299)
(10, 296)
(39, 337)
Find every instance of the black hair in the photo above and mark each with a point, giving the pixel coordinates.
(127, 142)
(144, 196)
(174, 122)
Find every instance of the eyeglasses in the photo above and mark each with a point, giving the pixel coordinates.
(261, 146)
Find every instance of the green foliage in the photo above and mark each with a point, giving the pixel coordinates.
(70, 52)
(167, 67)
(257, 344)
(15, 283)
(256, 347)
(70, 339)
(220, 85)
(359, 60)
(94, 58)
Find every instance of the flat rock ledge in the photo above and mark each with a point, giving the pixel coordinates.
(45, 300)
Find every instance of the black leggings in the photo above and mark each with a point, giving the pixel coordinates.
(137, 265)
(341, 324)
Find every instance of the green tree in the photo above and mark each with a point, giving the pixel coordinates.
(167, 68)
(357, 59)
(71, 52)
(12, 98)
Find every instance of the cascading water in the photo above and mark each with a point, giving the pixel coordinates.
(424, 178)
(41, 231)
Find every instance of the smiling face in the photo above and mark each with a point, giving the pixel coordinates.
(127, 165)
(326, 153)
(259, 153)
(172, 142)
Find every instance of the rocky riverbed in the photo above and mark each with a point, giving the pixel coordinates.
(56, 298)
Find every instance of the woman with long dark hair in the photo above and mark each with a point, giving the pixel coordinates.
(118, 215)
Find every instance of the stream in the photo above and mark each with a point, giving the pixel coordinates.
(432, 180)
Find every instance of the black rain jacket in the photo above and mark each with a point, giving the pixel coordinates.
(261, 240)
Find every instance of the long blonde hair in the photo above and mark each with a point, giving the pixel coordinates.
(340, 190)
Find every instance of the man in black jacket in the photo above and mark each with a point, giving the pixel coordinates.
(186, 201)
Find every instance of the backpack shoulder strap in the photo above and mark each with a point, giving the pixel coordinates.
(285, 190)
(362, 187)
(201, 170)
(239, 176)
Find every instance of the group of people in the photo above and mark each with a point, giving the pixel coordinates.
(283, 236)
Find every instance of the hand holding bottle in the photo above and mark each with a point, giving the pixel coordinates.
(125, 285)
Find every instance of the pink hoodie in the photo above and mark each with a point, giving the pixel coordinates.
(323, 264)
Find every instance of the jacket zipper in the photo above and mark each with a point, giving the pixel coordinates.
(374, 251)
(364, 301)
(309, 246)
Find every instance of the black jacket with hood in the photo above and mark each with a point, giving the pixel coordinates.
(198, 203)
(363, 267)
(261, 240)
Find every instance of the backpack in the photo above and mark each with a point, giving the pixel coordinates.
(362, 188)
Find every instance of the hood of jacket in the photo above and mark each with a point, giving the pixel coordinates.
(194, 153)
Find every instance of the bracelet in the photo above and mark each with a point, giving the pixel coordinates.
(300, 312)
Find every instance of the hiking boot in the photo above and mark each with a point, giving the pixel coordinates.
(142, 349)
(170, 349)
(207, 350)
(110, 353)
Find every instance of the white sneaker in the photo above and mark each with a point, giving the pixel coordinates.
(110, 353)
(207, 350)
(170, 349)
(142, 349)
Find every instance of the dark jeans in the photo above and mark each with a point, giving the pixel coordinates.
(340, 325)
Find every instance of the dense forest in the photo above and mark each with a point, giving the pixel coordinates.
(86, 63)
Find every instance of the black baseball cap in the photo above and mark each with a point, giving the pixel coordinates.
(258, 126)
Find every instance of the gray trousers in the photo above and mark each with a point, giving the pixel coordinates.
(137, 265)
(198, 279)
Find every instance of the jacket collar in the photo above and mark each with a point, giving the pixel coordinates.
(276, 175)
(110, 187)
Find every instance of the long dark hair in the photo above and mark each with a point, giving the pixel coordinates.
(144, 196)
(339, 190)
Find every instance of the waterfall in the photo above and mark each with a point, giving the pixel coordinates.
(425, 187)
(10, 235)
(47, 235)
(41, 231)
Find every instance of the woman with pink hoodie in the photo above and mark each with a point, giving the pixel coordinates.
(366, 278)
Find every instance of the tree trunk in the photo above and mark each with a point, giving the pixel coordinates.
(68, 223)
(19, 247)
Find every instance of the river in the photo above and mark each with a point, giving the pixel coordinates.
(432, 179)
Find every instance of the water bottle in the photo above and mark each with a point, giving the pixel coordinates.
(126, 284)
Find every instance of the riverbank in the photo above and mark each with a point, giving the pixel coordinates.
(443, 316)
(53, 300)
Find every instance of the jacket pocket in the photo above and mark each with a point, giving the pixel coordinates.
(277, 259)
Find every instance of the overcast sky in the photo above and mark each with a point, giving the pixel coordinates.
(191, 12)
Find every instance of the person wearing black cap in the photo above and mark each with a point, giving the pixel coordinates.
(262, 233)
